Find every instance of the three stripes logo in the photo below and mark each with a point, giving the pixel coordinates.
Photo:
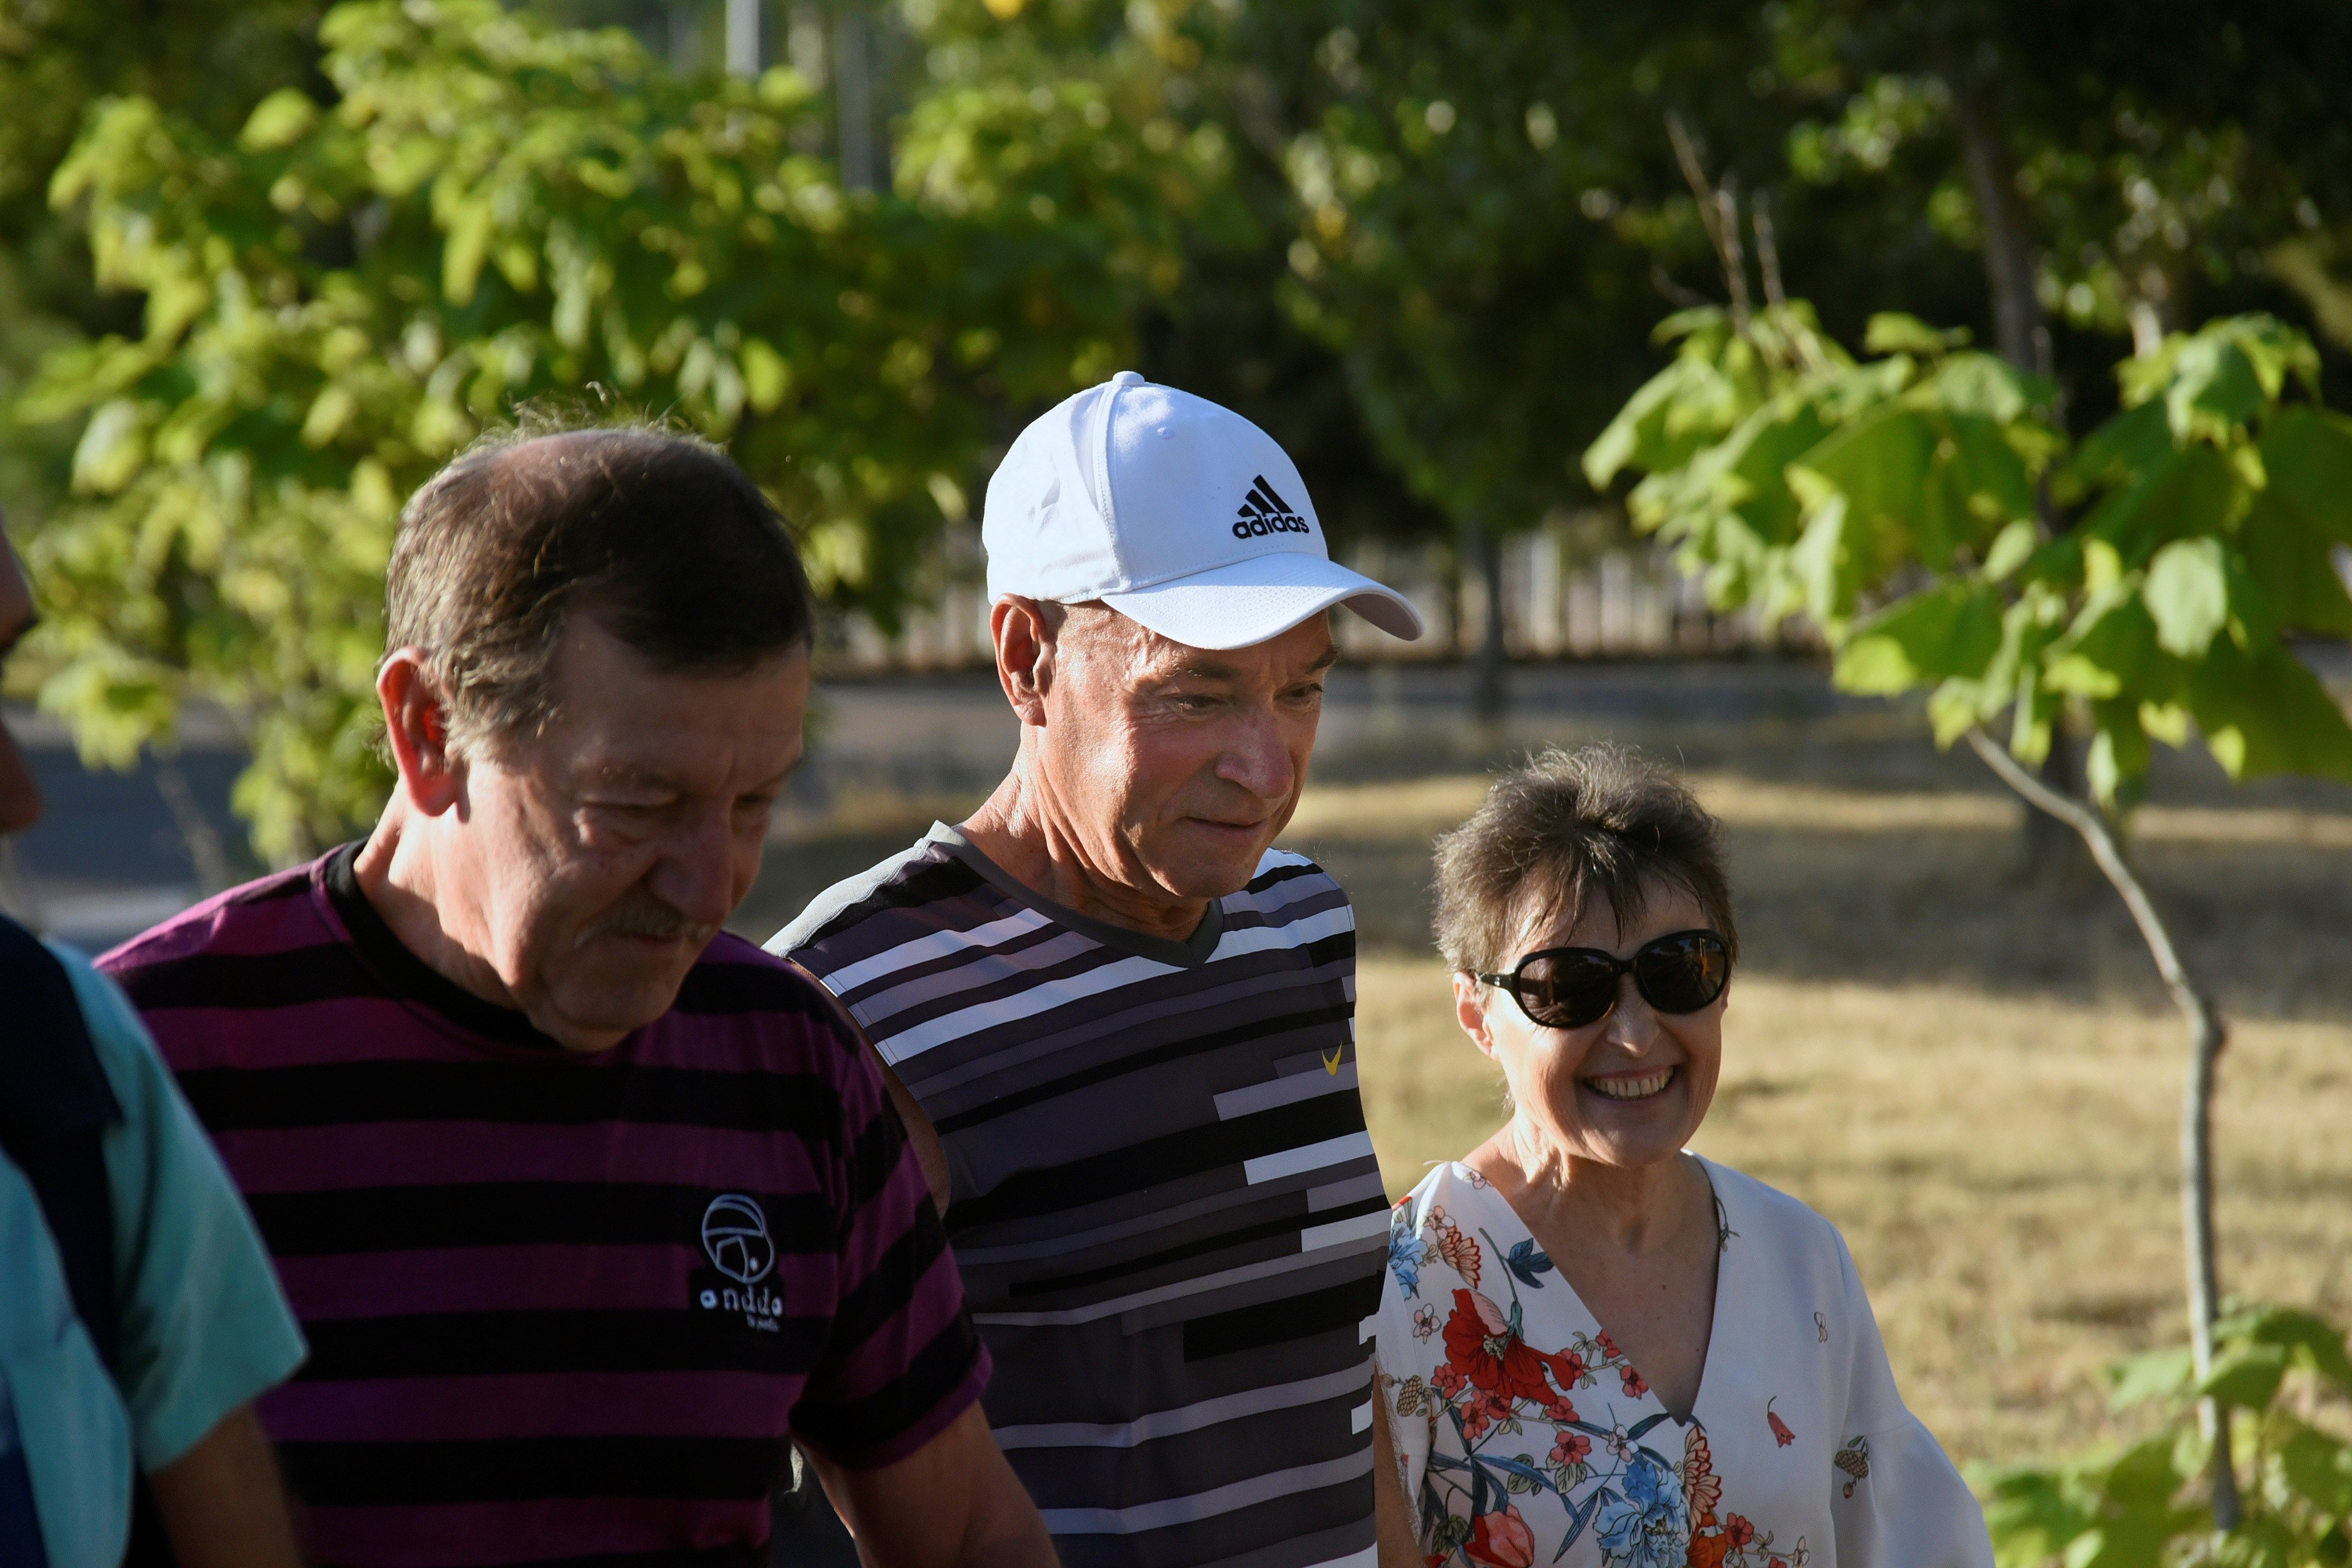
(1264, 512)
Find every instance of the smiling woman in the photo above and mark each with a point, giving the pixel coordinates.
(1690, 1351)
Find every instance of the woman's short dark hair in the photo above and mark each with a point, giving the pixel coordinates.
(659, 536)
(1602, 820)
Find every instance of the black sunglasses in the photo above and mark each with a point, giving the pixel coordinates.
(1568, 987)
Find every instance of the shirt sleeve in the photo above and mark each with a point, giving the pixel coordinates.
(1403, 1361)
(1896, 1500)
(903, 1360)
(204, 1328)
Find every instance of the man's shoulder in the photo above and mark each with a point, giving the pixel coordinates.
(735, 976)
(908, 894)
(270, 914)
(1288, 888)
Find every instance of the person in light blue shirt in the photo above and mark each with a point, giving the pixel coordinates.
(196, 1327)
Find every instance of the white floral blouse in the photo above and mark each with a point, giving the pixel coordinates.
(1525, 1436)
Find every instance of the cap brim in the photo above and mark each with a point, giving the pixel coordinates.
(1259, 599)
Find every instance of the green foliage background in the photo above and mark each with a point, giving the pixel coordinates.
(267, 266)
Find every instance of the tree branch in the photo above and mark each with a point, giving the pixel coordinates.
(1719, 212)
(2208, 1035)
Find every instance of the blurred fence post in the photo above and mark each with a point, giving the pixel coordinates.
(743, 37)
(1628, 602)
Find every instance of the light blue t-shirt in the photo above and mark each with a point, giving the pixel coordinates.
(204, 1328)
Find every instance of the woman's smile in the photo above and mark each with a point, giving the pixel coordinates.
(1641, 1084)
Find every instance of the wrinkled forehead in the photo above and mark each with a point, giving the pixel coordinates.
(617, 711)
(1120, 645)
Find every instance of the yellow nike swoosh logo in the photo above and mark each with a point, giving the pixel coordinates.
(1331, 1062)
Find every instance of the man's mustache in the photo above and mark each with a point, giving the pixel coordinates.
(646, 917)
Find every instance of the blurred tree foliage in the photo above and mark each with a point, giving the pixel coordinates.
(1421, 244)
(337, 298)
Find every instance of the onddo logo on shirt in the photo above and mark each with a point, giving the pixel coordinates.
(735, 1238)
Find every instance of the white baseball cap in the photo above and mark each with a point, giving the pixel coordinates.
(1178, 514)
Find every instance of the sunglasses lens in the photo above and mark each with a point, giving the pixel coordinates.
(1567, 991)
(1683, 974)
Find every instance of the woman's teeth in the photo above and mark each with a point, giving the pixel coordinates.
(1622, 1088)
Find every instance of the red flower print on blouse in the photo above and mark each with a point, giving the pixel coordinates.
(1609, 1346)
(1634, 1386)
(1780, 1432)
(1501, 1541)
(1738, 1529)
(1480, 1344)
(1572, 1448)
(1559, 1412)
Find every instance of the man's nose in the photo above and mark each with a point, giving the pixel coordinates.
(696, 874)
(20, 793)
(1259, 759)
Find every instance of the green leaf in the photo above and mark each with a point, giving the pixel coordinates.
(2118, 756)
(2307, 455)
(1950, 630)
(278, 121)
(2185, 494)
(2294, 567)
(1892, 332)
(2247, 1375)
(2011, 548)
(112, 446)
(2317, 1342)
(1984, 386)
(2142, 1477)
(2152, 1375)
(464, 250)
(2214, 388)
(2266, 713)
(2318, 1467)
(2187, 594)
(2128, 444)
(2030, 1513)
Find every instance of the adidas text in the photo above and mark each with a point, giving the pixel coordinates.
(1248, 527)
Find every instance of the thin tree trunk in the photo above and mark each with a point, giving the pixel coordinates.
(1489, 696)
(2207, 1036)
(2020, 329)
(2022, 335)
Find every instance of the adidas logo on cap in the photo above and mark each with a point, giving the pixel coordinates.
(1264, 512)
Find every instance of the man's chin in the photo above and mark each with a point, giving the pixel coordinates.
(596, 1012)
(1210, 872)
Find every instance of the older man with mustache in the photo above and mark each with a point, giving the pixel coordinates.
(1121, 1023)
(589, 1210)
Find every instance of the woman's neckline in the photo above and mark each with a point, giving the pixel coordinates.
(1724, 1232)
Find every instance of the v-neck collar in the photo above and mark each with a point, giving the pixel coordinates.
(1724, 1231)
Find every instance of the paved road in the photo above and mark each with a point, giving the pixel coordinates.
(112, 856)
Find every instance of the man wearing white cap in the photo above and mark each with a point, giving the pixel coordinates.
(1120, 1023)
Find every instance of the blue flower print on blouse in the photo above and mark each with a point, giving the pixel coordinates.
(1406, 1251)
(1647, 1526)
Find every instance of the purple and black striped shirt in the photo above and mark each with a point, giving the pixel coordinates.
(559, 1305)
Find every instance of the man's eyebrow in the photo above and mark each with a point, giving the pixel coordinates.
(633, 777)
(1324, 661)
(1200, 669)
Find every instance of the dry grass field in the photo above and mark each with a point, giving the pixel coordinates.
(1964, 1062)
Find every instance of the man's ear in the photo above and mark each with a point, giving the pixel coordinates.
(416, 721)
(1024, 655)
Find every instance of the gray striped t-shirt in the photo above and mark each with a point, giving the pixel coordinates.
(1166, 1207)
